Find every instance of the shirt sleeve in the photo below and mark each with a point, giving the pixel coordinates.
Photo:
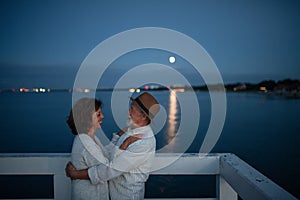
(115, 138)
(134, 156)
(124, 161)
(110, 148)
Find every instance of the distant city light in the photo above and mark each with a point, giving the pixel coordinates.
(154, 87)
(23, 89)
(262, 88)
(172, 59)
(132, 90)
(79, 90)
(178, 90)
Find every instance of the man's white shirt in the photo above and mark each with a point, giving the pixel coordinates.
(129, 169)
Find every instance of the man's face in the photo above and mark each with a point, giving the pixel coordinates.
(135, 113)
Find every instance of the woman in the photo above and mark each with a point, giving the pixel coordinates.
(84, 119)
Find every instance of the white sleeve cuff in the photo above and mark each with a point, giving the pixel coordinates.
(115, 138)
(93, 175)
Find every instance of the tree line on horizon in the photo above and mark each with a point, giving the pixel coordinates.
(267, 85)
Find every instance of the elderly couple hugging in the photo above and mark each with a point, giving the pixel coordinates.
(120, 169)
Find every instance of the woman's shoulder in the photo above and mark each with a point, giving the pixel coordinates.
(77, 144)
(86, 152)
(81, 141)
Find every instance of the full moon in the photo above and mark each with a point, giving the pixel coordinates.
(172, 59)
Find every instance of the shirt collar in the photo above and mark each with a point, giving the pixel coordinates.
(146, 130)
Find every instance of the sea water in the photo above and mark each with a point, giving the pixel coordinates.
(262, 130)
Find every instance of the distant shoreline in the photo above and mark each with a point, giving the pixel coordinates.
(287, 88)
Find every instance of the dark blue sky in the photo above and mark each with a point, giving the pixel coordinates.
(44, 42)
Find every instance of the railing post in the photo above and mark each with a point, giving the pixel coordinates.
(248, 182)
(224, 190)
(62, 187)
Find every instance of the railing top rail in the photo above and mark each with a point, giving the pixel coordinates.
(244, 179)
(69, 154)
(3, 155)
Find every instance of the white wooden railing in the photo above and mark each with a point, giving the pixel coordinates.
(234, 177)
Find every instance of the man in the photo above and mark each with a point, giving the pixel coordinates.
(128, 169)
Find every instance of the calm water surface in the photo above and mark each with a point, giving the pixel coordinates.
(263, 131)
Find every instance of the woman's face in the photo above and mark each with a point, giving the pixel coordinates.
(97, 119)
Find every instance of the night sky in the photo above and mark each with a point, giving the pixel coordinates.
(43, 43)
